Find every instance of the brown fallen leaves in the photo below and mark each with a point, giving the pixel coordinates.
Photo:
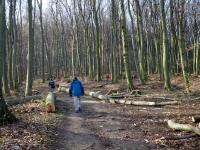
(33, 131)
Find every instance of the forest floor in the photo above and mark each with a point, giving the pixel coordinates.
(103, 125)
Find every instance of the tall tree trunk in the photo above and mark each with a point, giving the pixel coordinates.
(6, 90)
(114, 41)
(124, 43)
(5, 115)
(132, 37)
(10, 44)
(73, 56)
(42, 42)
(29, 77)
(196, 45)
(167, 83)
(96, 21)
(14, 51)
(181, 43)
(142, 62)
(173, 36)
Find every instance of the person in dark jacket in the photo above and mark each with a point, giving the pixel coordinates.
(76, 90)
(52, 85)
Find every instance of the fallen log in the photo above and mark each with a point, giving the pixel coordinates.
(63, 89)
(116, 96)
(100, 96)
(120, 101)
(171, 100)
(112, 91)
(101, 85)
(143, 103)
(97, 95)
(50, 102)
(148, 103)
(136, 92)
(183, 127)
(128, 102)
(196, 119)
(167, 103)
(112, 101)
(179, 137)
(18, 100)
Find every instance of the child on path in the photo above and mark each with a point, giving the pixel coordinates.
(76, 90)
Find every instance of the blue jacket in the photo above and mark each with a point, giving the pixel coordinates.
(76, 88)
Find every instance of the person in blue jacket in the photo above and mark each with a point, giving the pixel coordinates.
(76, 90)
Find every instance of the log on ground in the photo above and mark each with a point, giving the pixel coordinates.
(107, 98)
(63, 89)
(183, 127)
(18, 100)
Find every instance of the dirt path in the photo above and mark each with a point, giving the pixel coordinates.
(96, 128)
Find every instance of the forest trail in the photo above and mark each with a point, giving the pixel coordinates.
(82, 131)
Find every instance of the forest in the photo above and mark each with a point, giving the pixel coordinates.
(138, 60)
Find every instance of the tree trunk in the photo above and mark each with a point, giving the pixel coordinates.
(5, 115)
(173, 36)
(96, 21)
(166, 71)
(6, 90)
(14, 51)
(114, 41)
(125, 48)
(142, 63)
(29, 78)
(181, 43)
(10, 44)
(42, 42)
(132, 37)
